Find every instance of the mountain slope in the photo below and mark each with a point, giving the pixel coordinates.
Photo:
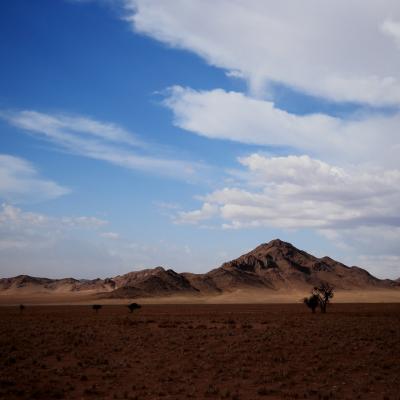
(276, 265)
(151, 282)
(280, 265)
(26, 283)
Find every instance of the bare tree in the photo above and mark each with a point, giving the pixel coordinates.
(311, 302)
(324, 292)
(134, 306)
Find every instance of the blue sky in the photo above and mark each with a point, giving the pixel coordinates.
(142, 133)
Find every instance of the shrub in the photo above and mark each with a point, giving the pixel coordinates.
(134, 306)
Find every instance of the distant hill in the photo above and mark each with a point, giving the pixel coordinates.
(272, 266)
(151, 282)
(26, 283)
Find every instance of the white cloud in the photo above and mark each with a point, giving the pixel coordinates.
(44, 245)
(13, 217)
(339, 50)
(98, 140)
(382, 266)
(110, 235)
(63, 128)
(207, 211)
(40, 244)
(356, 209)
(21, 182)
(23, 229)
(346, 187)
(392, 28)
(300, 192)
(375, 247)
(218, 114)
(83, 222)
(367, 241)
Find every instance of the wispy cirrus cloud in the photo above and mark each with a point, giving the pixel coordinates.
(64, 128)
(101, 141)
(20, 181)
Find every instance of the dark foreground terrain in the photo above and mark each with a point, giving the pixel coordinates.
(200, 351)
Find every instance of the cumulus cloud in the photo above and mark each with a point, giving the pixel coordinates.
(300, 192)
(218, 114)
(21, 182)
(345, 186)
(99, 140)
(207, 211)
(342, 51)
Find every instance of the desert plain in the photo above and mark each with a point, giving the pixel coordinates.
(200, 351)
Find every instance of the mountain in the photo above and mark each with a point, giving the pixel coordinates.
(272, 266)
(150, 282)
(279, 265)
(26, 283)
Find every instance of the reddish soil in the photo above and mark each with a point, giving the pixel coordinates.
(265, 351)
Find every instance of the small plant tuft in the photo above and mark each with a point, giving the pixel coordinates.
(97, 307)
(133, 306)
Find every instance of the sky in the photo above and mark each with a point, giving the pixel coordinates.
(184, 133)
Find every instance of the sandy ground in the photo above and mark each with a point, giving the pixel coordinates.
(200, 351)
(237, 297)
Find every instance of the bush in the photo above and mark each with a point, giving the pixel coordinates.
(134, 306)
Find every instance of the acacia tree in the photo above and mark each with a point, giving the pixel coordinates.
(324, 292)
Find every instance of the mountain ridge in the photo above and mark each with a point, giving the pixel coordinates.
(272, 266)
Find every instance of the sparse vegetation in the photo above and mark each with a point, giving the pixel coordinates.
(320, 297)
(97, 307)
(311, 302)
(157, 354)
(324, 292)
(133, 306)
